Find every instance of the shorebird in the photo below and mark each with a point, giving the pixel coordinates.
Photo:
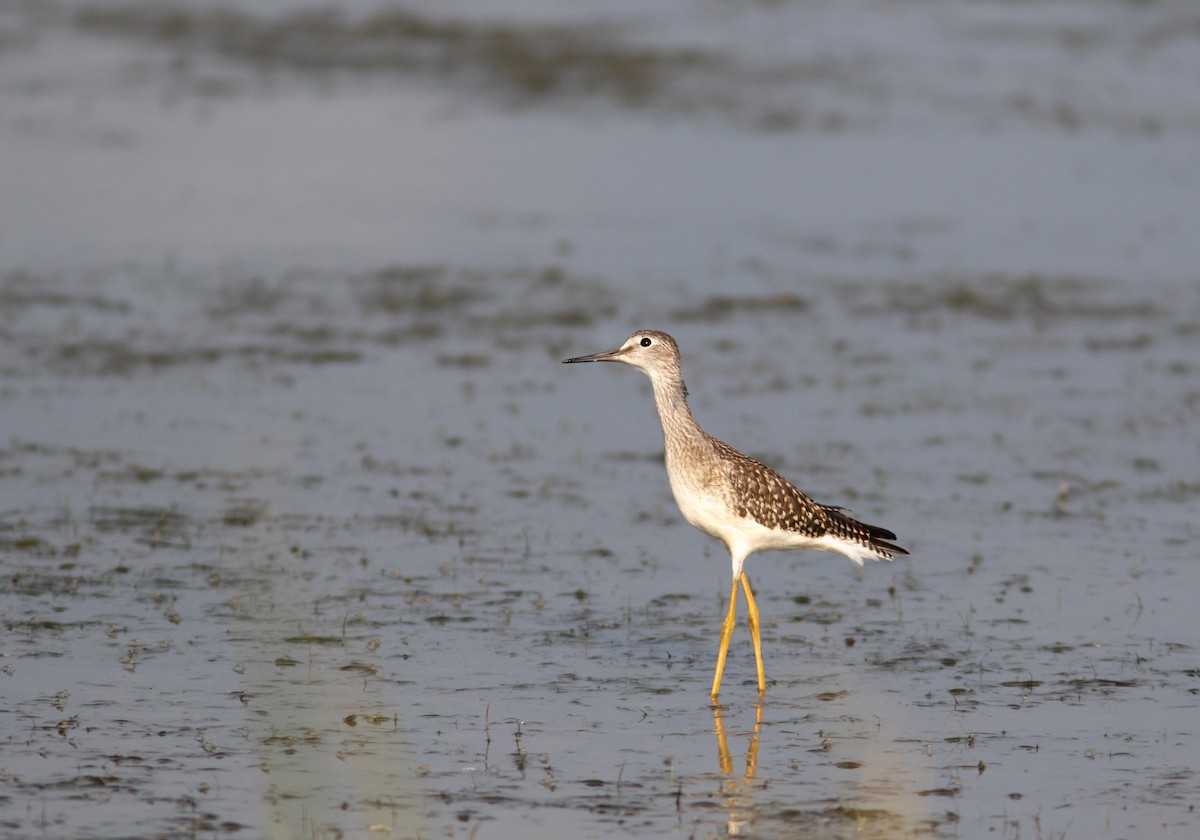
(745, 504)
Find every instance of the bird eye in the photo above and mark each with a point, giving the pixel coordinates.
(646, 342)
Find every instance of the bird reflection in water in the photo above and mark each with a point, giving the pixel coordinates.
(737, 789)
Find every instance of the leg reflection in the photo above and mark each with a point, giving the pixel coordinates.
(737, 790)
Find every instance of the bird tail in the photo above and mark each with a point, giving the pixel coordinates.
(881, 538)
(876, 542)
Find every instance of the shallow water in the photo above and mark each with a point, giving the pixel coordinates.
(306, 532)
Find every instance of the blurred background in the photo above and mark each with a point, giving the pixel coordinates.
(305, 532)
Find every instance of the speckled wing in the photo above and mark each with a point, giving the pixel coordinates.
(774, 502)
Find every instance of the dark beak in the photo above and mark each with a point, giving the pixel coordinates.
(606, 356)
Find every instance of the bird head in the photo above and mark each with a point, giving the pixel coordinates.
(652, 352)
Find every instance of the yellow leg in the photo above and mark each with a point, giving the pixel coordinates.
(726, 633)
(752, 614)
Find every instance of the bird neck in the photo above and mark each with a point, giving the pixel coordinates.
(678, 424)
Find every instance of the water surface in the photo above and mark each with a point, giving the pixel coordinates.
(306, 532)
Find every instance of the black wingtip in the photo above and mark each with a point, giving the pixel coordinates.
(890, 548)
(880, 538)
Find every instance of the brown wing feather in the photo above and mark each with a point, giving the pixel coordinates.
(774, 502)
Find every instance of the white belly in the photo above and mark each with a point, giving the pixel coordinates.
(707, 510)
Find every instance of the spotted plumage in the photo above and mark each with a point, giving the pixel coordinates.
(758, 492)
(734, 498)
